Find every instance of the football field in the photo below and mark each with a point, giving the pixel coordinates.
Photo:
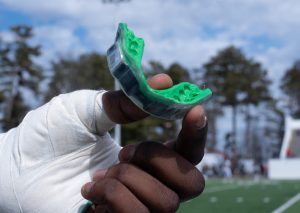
(246, 196)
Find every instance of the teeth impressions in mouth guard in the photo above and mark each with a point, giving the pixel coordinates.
(125, 64)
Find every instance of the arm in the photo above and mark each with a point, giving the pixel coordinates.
(58, 144)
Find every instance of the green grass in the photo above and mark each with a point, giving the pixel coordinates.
(243, 196)
(294, 209)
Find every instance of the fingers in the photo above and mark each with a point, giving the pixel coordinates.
(99, 175)
(167, 166)
(113, 195)
(142, 191)
(150, 191)
(150, 178)
(191, 140)
(121, 109)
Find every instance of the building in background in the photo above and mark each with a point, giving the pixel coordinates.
(288, 164)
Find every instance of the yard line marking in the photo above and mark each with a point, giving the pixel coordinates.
(218, 189)
(288, 204)
(266, 200)
(239, 199)
(230, 187)
(213, 199)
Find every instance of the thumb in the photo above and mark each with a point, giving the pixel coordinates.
(127, 152)
(99, 175)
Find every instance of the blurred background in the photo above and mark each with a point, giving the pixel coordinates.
(247, 52)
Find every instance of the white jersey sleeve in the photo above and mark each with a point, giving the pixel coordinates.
(53, 152)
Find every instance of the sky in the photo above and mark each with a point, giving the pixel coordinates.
(184, 31)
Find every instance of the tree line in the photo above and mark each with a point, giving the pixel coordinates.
(239, 83)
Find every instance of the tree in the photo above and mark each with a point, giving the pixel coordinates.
(3, 83)
(18, 73)
(236, 81)
(88, 71)
(290, 86)
(257, 92)
(2, 97)
(3, 55)
(178, 73)
(273, 131)
(213, 107)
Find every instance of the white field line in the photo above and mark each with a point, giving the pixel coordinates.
(288, 204)
(230, 187)
(222, 188)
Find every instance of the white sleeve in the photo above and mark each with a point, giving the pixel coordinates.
(51, 138)
(65, 124)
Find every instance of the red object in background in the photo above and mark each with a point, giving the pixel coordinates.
(289, 152)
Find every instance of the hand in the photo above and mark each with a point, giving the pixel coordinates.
(59, 146)
(151, 177)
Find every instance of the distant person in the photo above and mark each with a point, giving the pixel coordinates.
(62, 155)
(227, 169)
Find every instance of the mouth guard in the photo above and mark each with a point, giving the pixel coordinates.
(125, 64)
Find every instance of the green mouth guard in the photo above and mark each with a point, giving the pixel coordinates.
(125, 64)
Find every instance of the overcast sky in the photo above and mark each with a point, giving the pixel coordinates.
(187, 31)
(184, 31)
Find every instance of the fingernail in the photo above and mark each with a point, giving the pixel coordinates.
(86, 189)
(127, 153)
(202, 122)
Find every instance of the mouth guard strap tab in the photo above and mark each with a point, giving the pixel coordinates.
(125, 64)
